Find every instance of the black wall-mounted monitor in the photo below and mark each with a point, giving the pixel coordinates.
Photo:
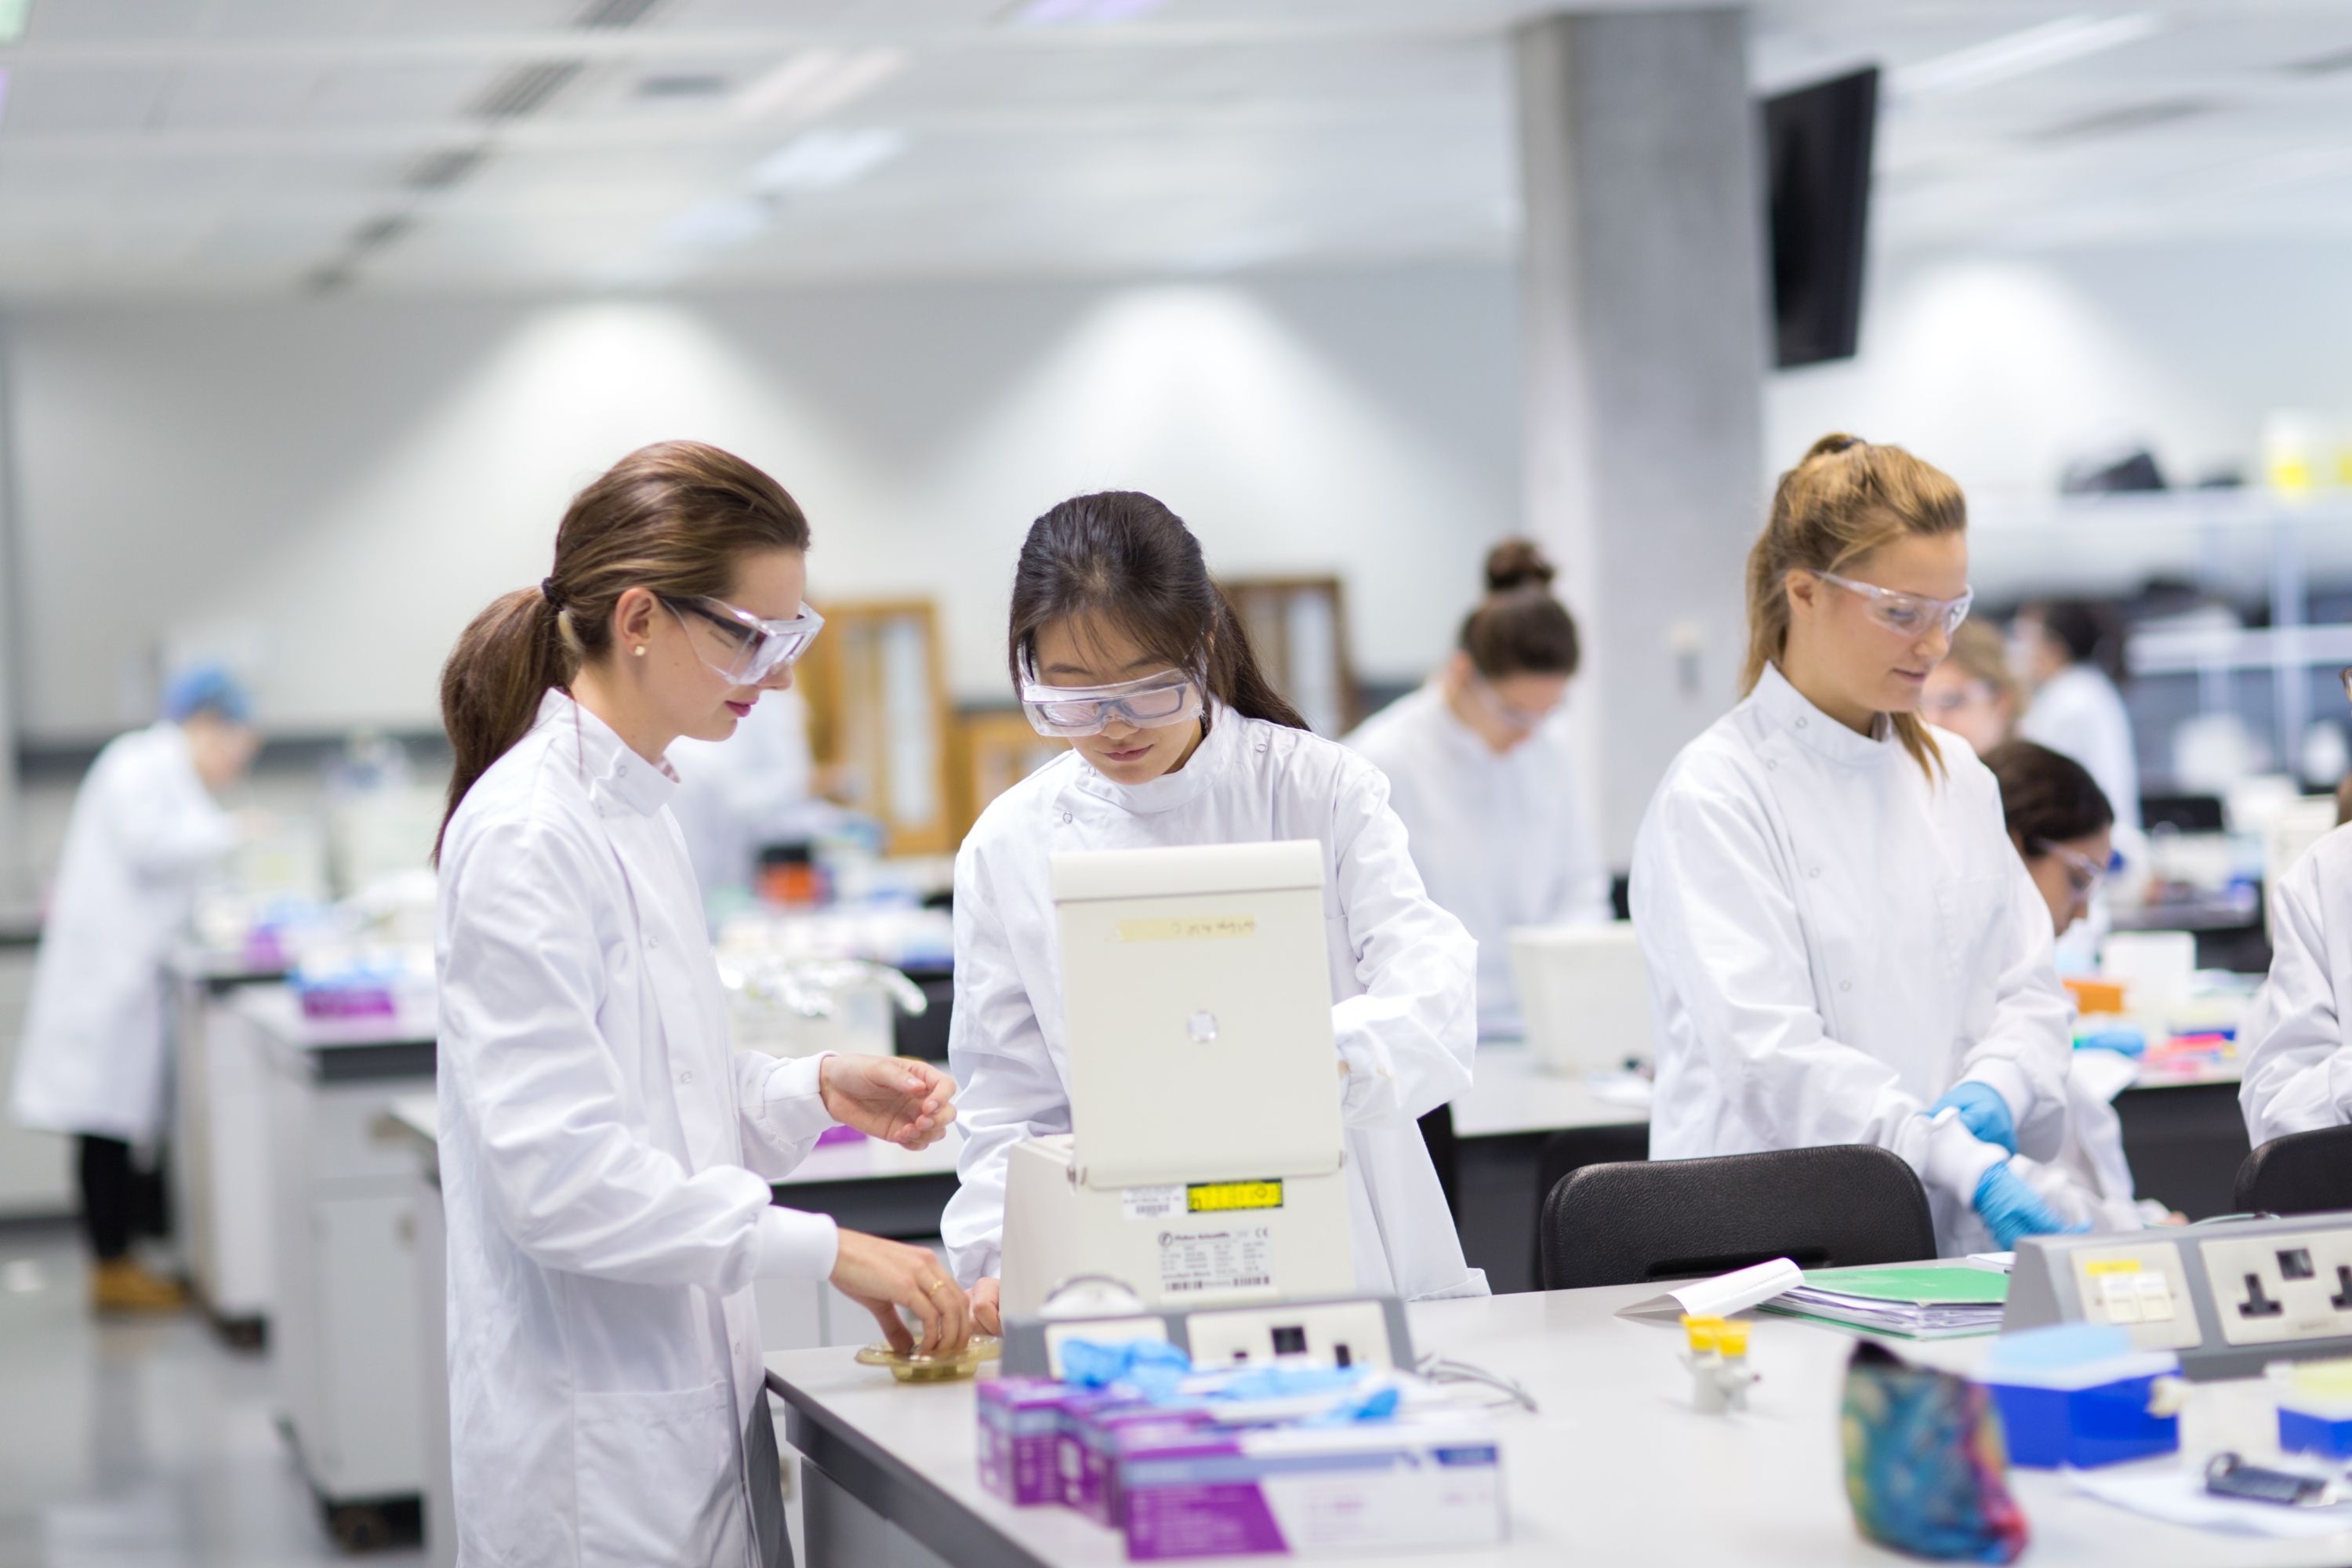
(1817, 142)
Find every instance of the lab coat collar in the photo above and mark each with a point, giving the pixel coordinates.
(612, 771)
(1169, 791)
(1789, 711)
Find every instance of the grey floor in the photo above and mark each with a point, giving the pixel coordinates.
(148, 1445)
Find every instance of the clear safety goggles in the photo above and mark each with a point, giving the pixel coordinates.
(741, 647)
(1905, 615)
(1149, 702)
(1511, 713)
(2084, 874)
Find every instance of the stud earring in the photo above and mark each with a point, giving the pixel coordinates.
(641, 650)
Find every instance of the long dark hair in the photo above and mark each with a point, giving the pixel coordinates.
(2047, 797)
(1123, 556)
(673, 518)
(1520, 628)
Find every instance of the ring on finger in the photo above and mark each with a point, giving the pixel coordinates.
(935, 1285)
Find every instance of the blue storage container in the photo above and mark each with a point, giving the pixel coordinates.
(2080, 1395)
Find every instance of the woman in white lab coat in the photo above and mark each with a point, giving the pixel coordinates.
(1481, 773)
(2064, 829)
(1120, 643)
(144, 830)
(606, 1158)
(2076, 710)
(1843, 946)
(2298, 1050)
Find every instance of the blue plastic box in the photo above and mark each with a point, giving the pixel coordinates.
(2079, 1394)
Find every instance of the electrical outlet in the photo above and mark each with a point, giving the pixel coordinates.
(2141, 1285)
(1331, 1333)
(2282, 1286)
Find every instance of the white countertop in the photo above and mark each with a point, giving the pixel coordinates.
(1510, 1093)
(1617, 1469)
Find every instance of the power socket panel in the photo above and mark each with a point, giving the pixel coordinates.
(1332, 1333)
(2281, 1286)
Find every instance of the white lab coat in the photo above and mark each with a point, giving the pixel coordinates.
(143, 832)
(2298, 1057)
(1833, 941)
(1401, 974)
(738, 795)
(606, 1162)
(2089, 1182)
(1501, 840)
(2079, 713)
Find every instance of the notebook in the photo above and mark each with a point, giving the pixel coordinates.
(1932, 1302)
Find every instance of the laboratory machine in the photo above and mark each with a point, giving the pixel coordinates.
(1204, 1161)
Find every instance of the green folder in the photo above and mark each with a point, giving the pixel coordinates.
(1931, 1302)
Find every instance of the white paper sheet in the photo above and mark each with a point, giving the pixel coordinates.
(1721, 1296)
(2179, 1496)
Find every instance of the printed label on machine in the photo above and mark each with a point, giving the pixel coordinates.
(1194, 927)
(1200, 1197)
(1234, 1259)
(1153, 1202)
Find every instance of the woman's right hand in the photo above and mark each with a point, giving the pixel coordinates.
(987, 1315)
(884, 1276)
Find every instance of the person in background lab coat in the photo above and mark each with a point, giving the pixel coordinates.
(2298, 1074)
(2064, 829)
(1120, 643)
(1482, 774)
(1972, 692)
(144, 830)
(606, 1159)
(1843, 945)
(742, 796)
(2069, 649)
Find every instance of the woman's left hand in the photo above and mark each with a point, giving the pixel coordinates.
(901, 1099)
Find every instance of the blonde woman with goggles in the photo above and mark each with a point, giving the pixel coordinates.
(1120, 644)
(1843, 946)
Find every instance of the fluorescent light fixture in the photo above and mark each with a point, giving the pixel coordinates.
(816, 82)
(821, 160)
(718, 224)
(1058, 13)
(14, 17)
(2021, 54)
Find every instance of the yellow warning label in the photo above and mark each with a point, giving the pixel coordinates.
(1222, 1197)
(2113, 1266)
(1191, 928)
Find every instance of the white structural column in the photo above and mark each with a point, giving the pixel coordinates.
(1645, 333)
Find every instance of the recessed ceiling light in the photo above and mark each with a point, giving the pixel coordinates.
(817, 81)
(1053, 13)
(821, 160)
(14, 16)
(2020, 54)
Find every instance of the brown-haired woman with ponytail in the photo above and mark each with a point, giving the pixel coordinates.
(606, 1159)
(1121, 644)
(1843, 946)
(1482, 772)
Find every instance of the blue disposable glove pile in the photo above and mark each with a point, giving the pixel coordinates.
(2012, 1210)
(1982, 1111)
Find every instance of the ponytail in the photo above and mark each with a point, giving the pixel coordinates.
(673, 517)
(1124, 556)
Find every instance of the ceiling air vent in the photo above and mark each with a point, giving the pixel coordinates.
(2130, 117)
(2320, 64)
(610, 14)
(439, 171)
(377, 233)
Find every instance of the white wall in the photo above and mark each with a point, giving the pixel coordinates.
(333, 488)
(1999, 369)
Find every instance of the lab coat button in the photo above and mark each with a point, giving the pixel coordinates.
(1066, 819)
(1815, 873)
(685, 1077)
(1770, 767)
(1845, 984)
(653, 941)
(1800, 723)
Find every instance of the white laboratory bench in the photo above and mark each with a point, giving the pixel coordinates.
(220, 1145)
(345, 1310)
(2182, 1130)
(1615, 1469)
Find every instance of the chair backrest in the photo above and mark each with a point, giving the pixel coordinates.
(1835, 1207)
(1568, 1151)
(2302, 1172)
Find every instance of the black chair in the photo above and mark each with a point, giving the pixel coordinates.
(1835, 1207)
(2302, 1172)
(1568, 1152)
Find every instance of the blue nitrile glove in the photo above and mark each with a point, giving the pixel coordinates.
(2010, 1209)
(1982, 1111)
